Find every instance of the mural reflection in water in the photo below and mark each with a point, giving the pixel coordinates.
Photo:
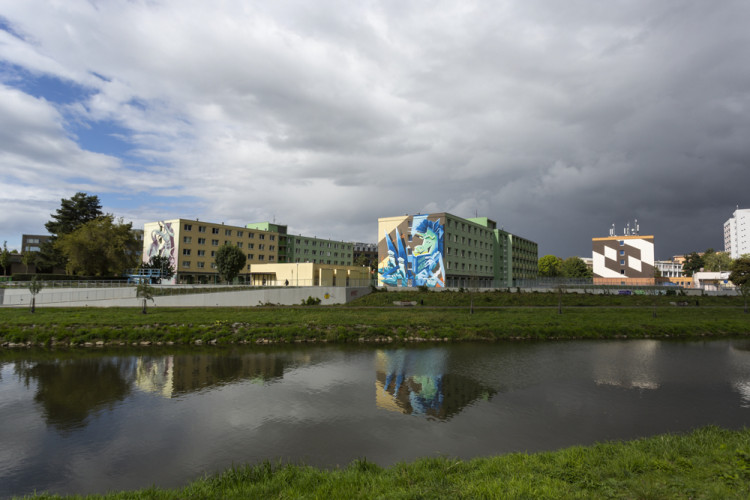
(418, 382)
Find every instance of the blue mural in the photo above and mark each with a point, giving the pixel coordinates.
(415, 265)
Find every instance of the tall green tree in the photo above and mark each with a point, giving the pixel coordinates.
(717, 261)
(693, 263)
(549, 266)
(740, 276)
(72, 214)
(5, 258)
(230, 260)
(575, 267)
(100, 247)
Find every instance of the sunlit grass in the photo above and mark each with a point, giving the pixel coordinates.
(707, 463)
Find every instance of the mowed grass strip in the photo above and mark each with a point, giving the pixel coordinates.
(707, 463)
(348, 324)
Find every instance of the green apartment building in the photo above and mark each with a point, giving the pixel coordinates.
(443, 250)
(298, 248)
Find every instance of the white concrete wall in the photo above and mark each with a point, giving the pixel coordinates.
(125, 297)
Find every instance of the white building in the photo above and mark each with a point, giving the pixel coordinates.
(737, 233)
(669, 268)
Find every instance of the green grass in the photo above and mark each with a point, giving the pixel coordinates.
(534, 319)
(709, 463)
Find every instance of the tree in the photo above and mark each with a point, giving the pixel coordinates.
(34, 287)
(693, 263)
(28, 258)
(99, 247)
(5, 258)
(145, 292)
(549, 266)
(575, 267)
(74, 213)
(717, 261)
(160, 262)
(740, 276)
(229, 262)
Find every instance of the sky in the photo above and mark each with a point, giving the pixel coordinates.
(555, 119)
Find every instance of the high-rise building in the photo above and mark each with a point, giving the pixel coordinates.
(737, 233)
(443, 250)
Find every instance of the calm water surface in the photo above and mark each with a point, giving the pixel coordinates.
(91, 422)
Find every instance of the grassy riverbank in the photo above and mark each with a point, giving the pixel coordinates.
(707, 463)
(444, 317)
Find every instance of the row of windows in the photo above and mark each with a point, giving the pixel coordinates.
(328, 244)
(228, 232)
(468, 241)
(202, 241)
(250, 256)
(456, 266)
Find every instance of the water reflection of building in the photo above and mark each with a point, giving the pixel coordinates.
(631, 364)
(172, 375)
(416, 382)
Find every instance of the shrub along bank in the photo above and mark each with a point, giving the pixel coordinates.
(707, 463)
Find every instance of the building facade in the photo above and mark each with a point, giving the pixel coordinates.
(298, 248)
(624, 260)
(737, 233)
(191, 247)
(443, 250)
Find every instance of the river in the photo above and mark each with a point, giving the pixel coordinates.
(92, 421)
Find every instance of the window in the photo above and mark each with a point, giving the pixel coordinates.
(185, 263)
(622, 271)
(251, 235)
(271, 247)
(261, 247)
(213, 265)
(187, 227)
(201, 264)
(215, 243)
(250, 256)
(622, 262)
(227, 232)
(201, 229)
(240, 234)
(622, 243)
(261, 257)
(201, 241)
(201, 253)
(213, 254)
(239, 244)
(214, 230)
(185, 251)
(251, 245)
(261, 236)
(270, 258)
(272, 237)
(622, 252)
(187, 239)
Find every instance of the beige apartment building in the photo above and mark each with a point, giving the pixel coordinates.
(191, 247)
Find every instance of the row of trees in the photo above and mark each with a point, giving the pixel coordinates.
(711, 260)
(551, 266)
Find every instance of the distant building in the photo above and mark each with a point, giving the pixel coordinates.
(33, 242)
(442, 250)
(737, 233)
(624, 260)
(191, 245)
(299, 248)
